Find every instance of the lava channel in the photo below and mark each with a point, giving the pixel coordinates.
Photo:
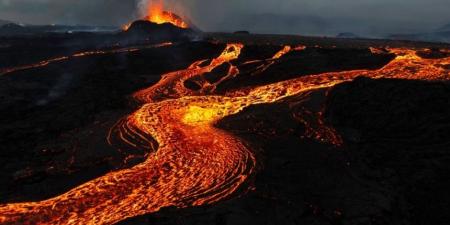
(196, 163)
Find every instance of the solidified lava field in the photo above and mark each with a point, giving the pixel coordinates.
(226, 129)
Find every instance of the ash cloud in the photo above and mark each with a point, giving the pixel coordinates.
(310, 17)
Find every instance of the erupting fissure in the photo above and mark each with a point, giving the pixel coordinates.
(154, 12)
(157, 14)
(196, 163)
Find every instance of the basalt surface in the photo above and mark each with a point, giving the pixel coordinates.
(217, 132)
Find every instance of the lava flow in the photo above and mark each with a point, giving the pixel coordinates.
(79, 54)
(195, 163)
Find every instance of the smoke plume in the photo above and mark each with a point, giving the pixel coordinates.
(313, 17)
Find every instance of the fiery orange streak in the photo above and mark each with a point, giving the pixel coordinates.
(196, 163)
(282, 52)
(36, 65)
(80, 54)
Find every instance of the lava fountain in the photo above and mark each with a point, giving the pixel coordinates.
(154, 11)
(156, 14)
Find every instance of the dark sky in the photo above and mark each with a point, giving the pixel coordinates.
(311, 17)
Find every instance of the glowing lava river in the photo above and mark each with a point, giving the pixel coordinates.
(195, 163)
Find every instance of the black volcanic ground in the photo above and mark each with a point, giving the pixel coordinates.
(393, 167)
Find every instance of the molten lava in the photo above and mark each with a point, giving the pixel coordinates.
(157, 14)
(79, 54)
(195, 163)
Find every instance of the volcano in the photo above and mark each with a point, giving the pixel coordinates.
(144, 29)
(160, 24)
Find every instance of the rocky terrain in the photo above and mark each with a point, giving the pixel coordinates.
(391, 167)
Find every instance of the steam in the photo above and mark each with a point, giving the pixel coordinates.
(142, 6)
(58, 90)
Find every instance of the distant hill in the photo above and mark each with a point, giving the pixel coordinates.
(3, 22)
(347, 35)
(439, 36)
(445, 28)
(12, 29)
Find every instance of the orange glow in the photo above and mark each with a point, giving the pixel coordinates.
(80, 54)
(196, 115)
(157, 14)
(282, 52)
(195, 163)
(126, 26)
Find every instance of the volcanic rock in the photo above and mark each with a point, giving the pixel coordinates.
(11, 28)
(405, 128)
(143, 29)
